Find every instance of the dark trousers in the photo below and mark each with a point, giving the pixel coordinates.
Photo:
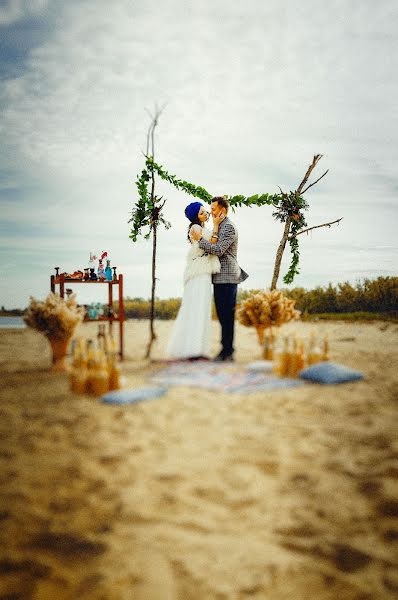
(225, 301)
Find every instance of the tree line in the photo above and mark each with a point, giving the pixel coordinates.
(367, 296)
(370, 296)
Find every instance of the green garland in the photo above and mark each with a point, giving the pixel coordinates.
(291, 206)
(148, 212)
(184, 186)
(140, 216)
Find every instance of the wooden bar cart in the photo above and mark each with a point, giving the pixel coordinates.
(62, 281)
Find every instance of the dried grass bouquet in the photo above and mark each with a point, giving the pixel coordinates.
(55, 317)
(267, 309)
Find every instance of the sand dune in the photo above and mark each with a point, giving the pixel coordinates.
(198, 495)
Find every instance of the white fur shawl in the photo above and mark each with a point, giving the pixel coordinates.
(199, 262)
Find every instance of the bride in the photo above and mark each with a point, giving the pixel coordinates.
(190, 337)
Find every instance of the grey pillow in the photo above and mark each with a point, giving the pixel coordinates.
(133, 395)
(330, 372)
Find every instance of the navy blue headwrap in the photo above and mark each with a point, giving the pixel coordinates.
(191, 211)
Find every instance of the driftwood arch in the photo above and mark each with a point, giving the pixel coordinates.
(288, 209)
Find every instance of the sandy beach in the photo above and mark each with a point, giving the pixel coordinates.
(200, 495)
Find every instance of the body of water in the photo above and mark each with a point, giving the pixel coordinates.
(12, 323)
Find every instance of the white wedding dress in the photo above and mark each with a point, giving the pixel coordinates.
(190, 336)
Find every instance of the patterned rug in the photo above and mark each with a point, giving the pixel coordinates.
(224, 377)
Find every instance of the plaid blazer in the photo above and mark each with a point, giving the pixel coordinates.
(226, 249)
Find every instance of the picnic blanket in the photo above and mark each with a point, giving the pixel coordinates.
(223, 377)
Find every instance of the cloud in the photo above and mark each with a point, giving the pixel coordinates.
(15, 10)
(252, 93)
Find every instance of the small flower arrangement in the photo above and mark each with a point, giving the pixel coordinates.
(55, 317)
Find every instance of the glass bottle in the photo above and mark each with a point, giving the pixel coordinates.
(108, 271)
(114, 376)
(99, 377)
(101, 337)
(113, 366)
(78, 372)
(314, 351)
(92, 312)
(101, 271)
(286, 357)
(325, 348)
(90, 365)
(292, 366)
(300, 360)
(279, 357)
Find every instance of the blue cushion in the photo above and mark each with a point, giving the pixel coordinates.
(329, 372)
(133, 395)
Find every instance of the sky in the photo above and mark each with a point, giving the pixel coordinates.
(251, 91)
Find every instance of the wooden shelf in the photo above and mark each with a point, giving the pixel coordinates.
(58, 280)
(62, 282)
(101, 318)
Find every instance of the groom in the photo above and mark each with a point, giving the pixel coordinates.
(226, 281)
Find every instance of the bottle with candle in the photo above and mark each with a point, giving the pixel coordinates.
(300, 359)
(284, 358)
(106, 344)
(99, 378)
(74, 360)
(277, 358)
(314, 351)
(292, 365)
(325, 347)
(91, 359)
(115, 376)
(78, 372)
(297, 360)
(101, 336)
(113, 367)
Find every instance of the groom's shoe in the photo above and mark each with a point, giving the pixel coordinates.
(223, 358)
(229, 358)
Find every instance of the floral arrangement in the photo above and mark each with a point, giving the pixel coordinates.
(270, 308)
(55, 317)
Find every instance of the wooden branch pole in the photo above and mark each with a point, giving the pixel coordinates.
(312, 166)
(314, 227)
(279, 253)
(152, 317)
(152, 334)
(286, 231)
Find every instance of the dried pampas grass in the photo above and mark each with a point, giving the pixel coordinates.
(270, 308)
(55, 317)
